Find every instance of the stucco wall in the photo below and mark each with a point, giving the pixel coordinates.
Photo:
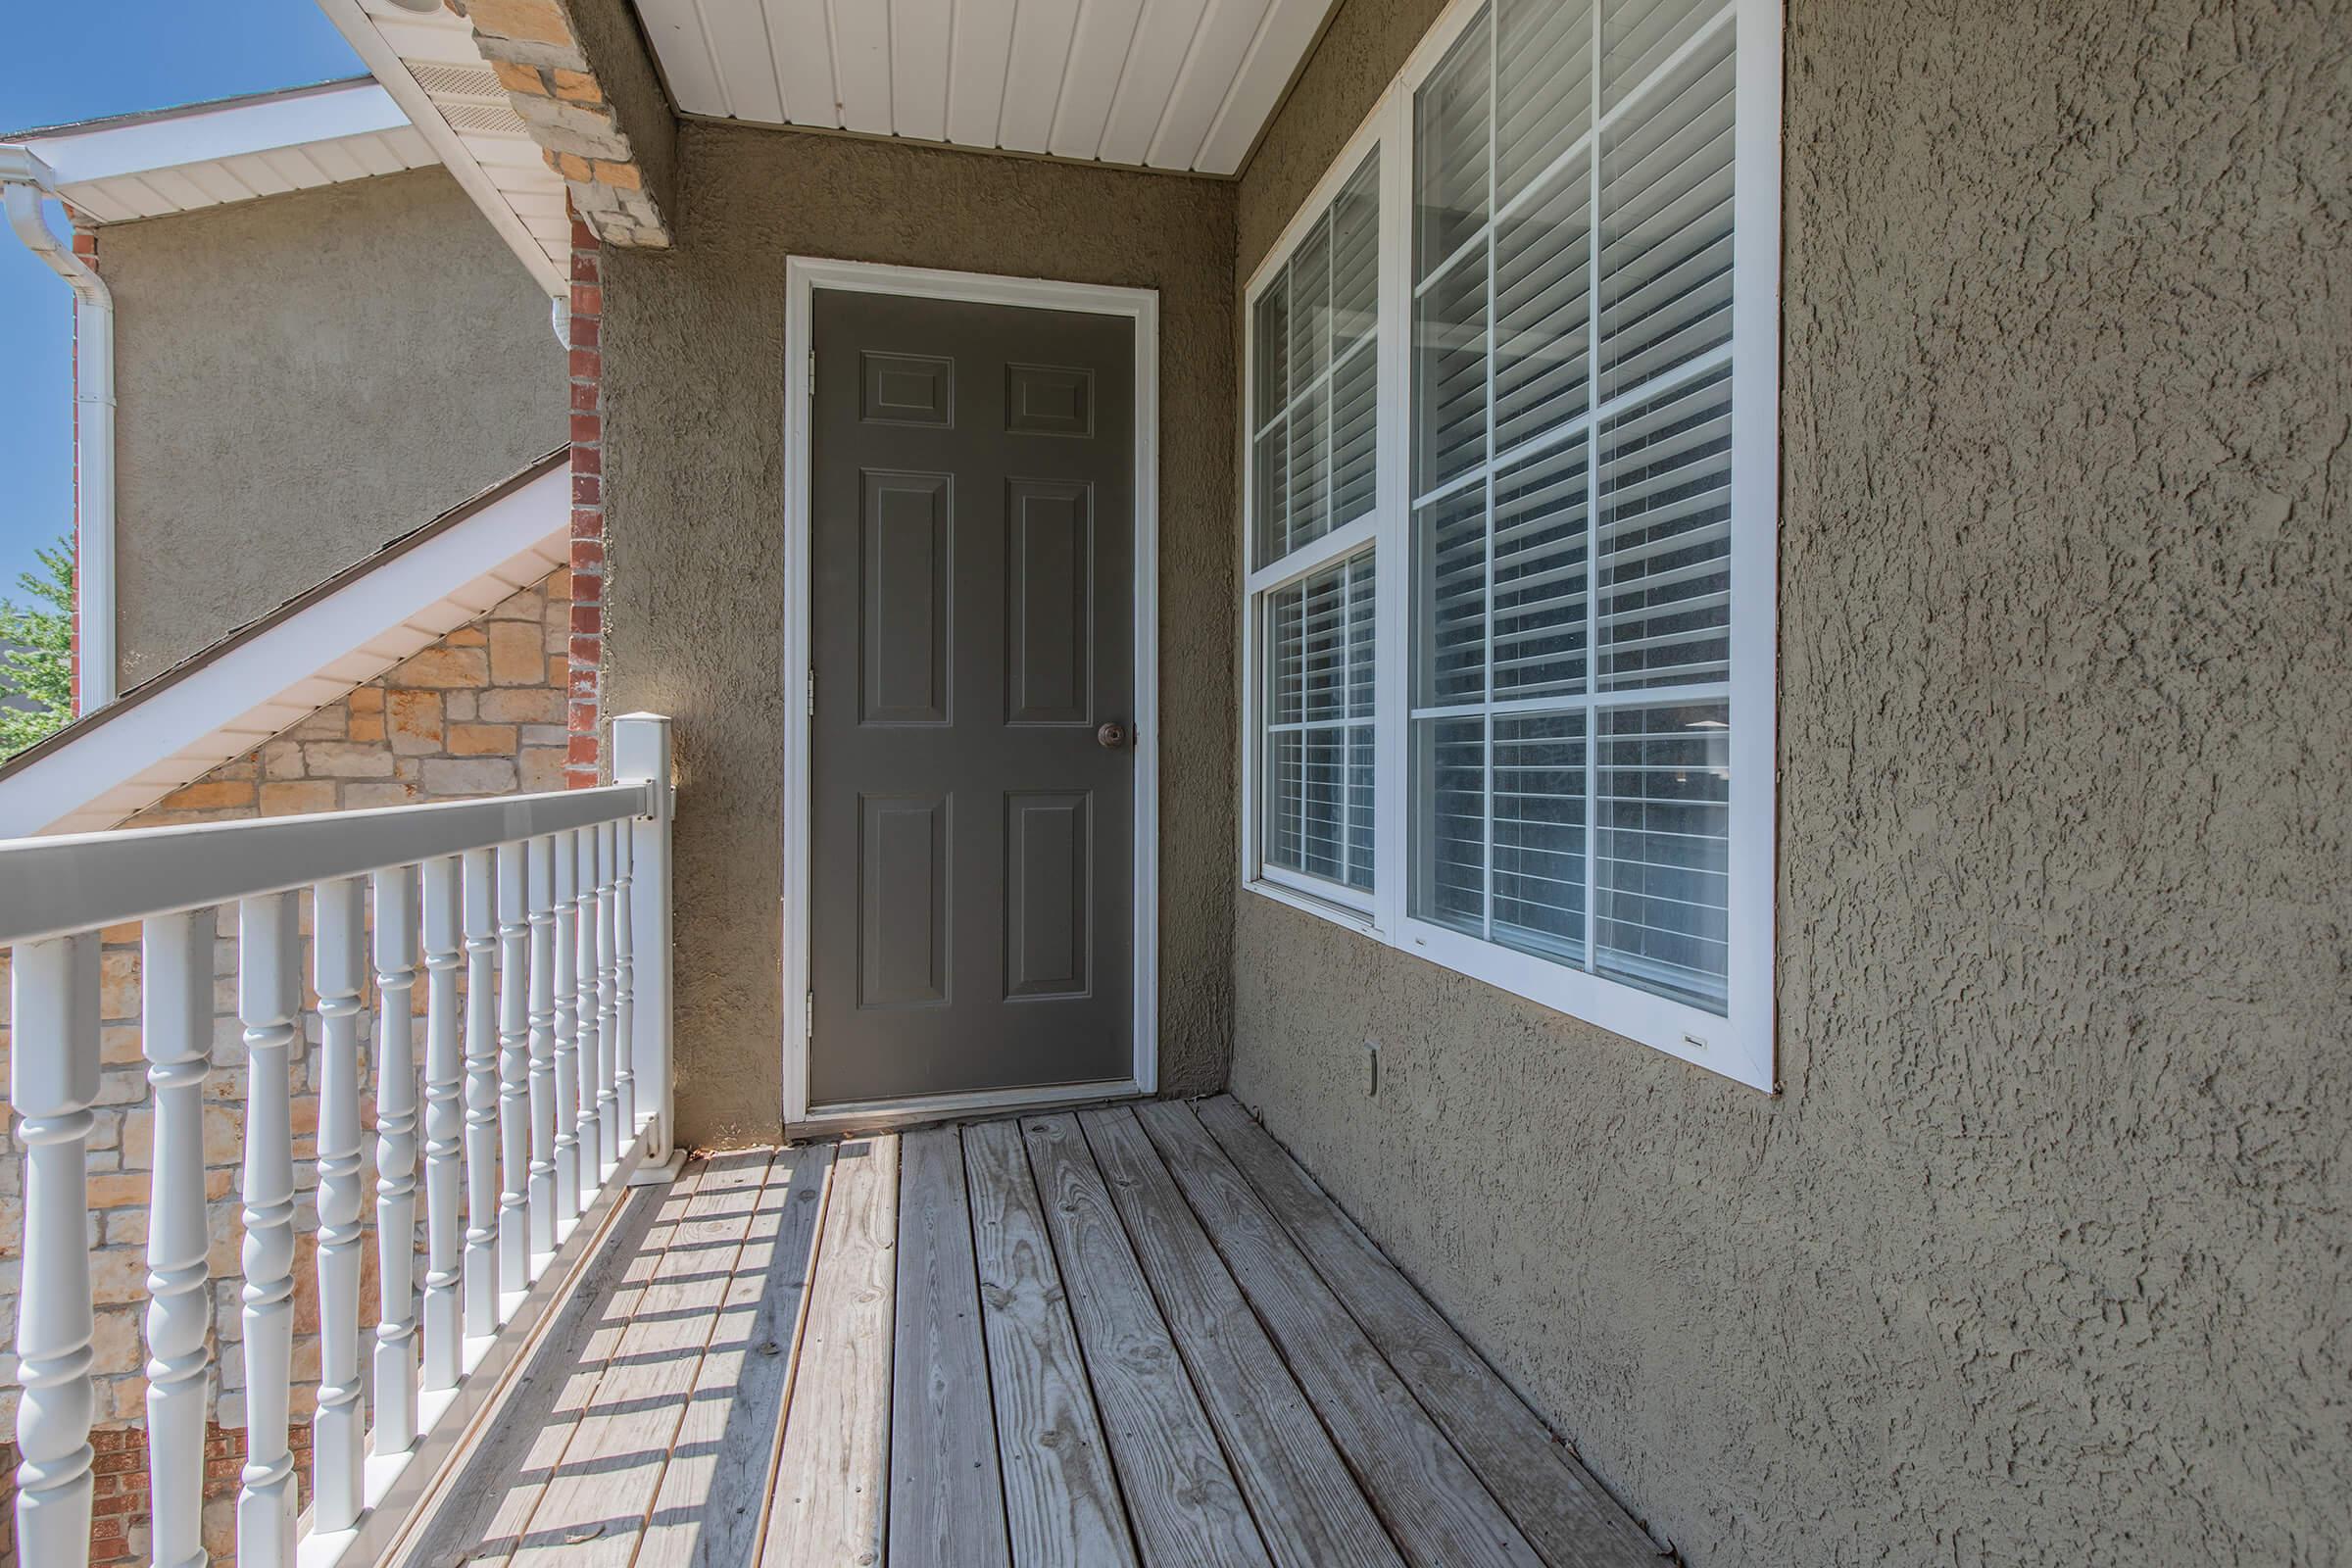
(301, 378)
(2042, 1255)
(694, 492)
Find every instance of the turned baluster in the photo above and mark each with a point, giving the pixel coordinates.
(338, 967)
(175, 1035)
(269, 959)
(481, 1098)
(444, 1125)
(564, 953)
(395, 1363)
(543, 1049)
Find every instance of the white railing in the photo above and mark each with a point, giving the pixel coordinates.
(546, 1090)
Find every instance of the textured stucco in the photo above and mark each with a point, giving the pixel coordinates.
(694, 490)
(300, 379)
(2044, 1255)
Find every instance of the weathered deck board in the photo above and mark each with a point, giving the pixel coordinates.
(593, 1509)
(1433, 1505)
(1181, 1499)
(1308, 1506)
(713, 1496)
(946, 1500)
(829, 1502)
(525, 1459)
(1560, 1508)
(1128, 1336)
(488, 1509)
(1062, 1500)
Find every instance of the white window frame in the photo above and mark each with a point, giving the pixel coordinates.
(1739, 1042)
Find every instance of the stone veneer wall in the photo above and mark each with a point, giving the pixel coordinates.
(482, 712)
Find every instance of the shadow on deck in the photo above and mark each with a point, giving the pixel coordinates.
(1133, 1335)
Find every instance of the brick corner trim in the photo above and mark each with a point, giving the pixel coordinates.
(586, 371)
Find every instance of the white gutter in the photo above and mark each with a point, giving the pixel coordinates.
(24, 182)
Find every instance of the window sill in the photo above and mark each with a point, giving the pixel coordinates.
(1338, 913)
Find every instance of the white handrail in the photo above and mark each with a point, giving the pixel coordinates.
(55, 886)
(541, 941)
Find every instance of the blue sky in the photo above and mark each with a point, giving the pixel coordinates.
(110, 57)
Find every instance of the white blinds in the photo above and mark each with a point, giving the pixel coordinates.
(1571, 474)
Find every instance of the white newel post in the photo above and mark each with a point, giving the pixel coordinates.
(591, 1023)
(395, 1362)
(268, 995)
(444, 1123)
(339, 1436)
(641, 754)
(513, 1073)
(53, 1076)
(565, 957)
(482, 1096)
(175, 1035)
(543, 1048)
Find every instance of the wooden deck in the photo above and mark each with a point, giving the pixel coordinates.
(1128, 1336)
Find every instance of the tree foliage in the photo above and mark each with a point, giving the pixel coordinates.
(37, 651)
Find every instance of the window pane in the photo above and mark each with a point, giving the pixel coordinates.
(1354, 434)
(1450, 766)
(1355, 258)
(1638, 36)
(1544, 76)
(1360, 806)
(1666, 223)
(1666, 539)
(1663, 843)
(1539, 834)
(1311, 305)
(1451, 539)
(1309, 506)
(1324, 630)
(1272, 330)
(1450, 373)
(1286, 783)
(1319, 755)
(1271, 463)
(1542, 511)
(1542, 310)
(1450, 149)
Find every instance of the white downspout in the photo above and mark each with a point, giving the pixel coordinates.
(24, 180)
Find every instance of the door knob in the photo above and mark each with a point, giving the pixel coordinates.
(1111, 736)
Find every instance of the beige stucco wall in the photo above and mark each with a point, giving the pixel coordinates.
(693, 487)
(2046, 1254)
(301, 378)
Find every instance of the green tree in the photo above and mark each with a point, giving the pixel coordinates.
(37, 651)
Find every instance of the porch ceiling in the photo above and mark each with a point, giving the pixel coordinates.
(1174, 85)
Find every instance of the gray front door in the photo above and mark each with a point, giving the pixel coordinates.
(970, 901)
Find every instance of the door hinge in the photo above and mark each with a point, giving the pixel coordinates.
(812, 372)
(813, 691)
(809, 1016)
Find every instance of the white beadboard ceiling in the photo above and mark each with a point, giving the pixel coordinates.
(1175, 84)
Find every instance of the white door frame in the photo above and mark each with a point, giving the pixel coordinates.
(803, 275)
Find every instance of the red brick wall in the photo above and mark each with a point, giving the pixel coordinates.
(587, 369)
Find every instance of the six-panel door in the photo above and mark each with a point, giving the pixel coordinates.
(970, 901)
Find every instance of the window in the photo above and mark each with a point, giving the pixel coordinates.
(1314, 402)
(1534, 367)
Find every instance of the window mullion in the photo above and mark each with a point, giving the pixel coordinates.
(1492, 231)
(1595, 241)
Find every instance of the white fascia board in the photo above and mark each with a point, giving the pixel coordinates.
(201, 720)
(205, 135)
(384, 61)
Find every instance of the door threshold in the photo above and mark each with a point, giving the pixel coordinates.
(890, 1115)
